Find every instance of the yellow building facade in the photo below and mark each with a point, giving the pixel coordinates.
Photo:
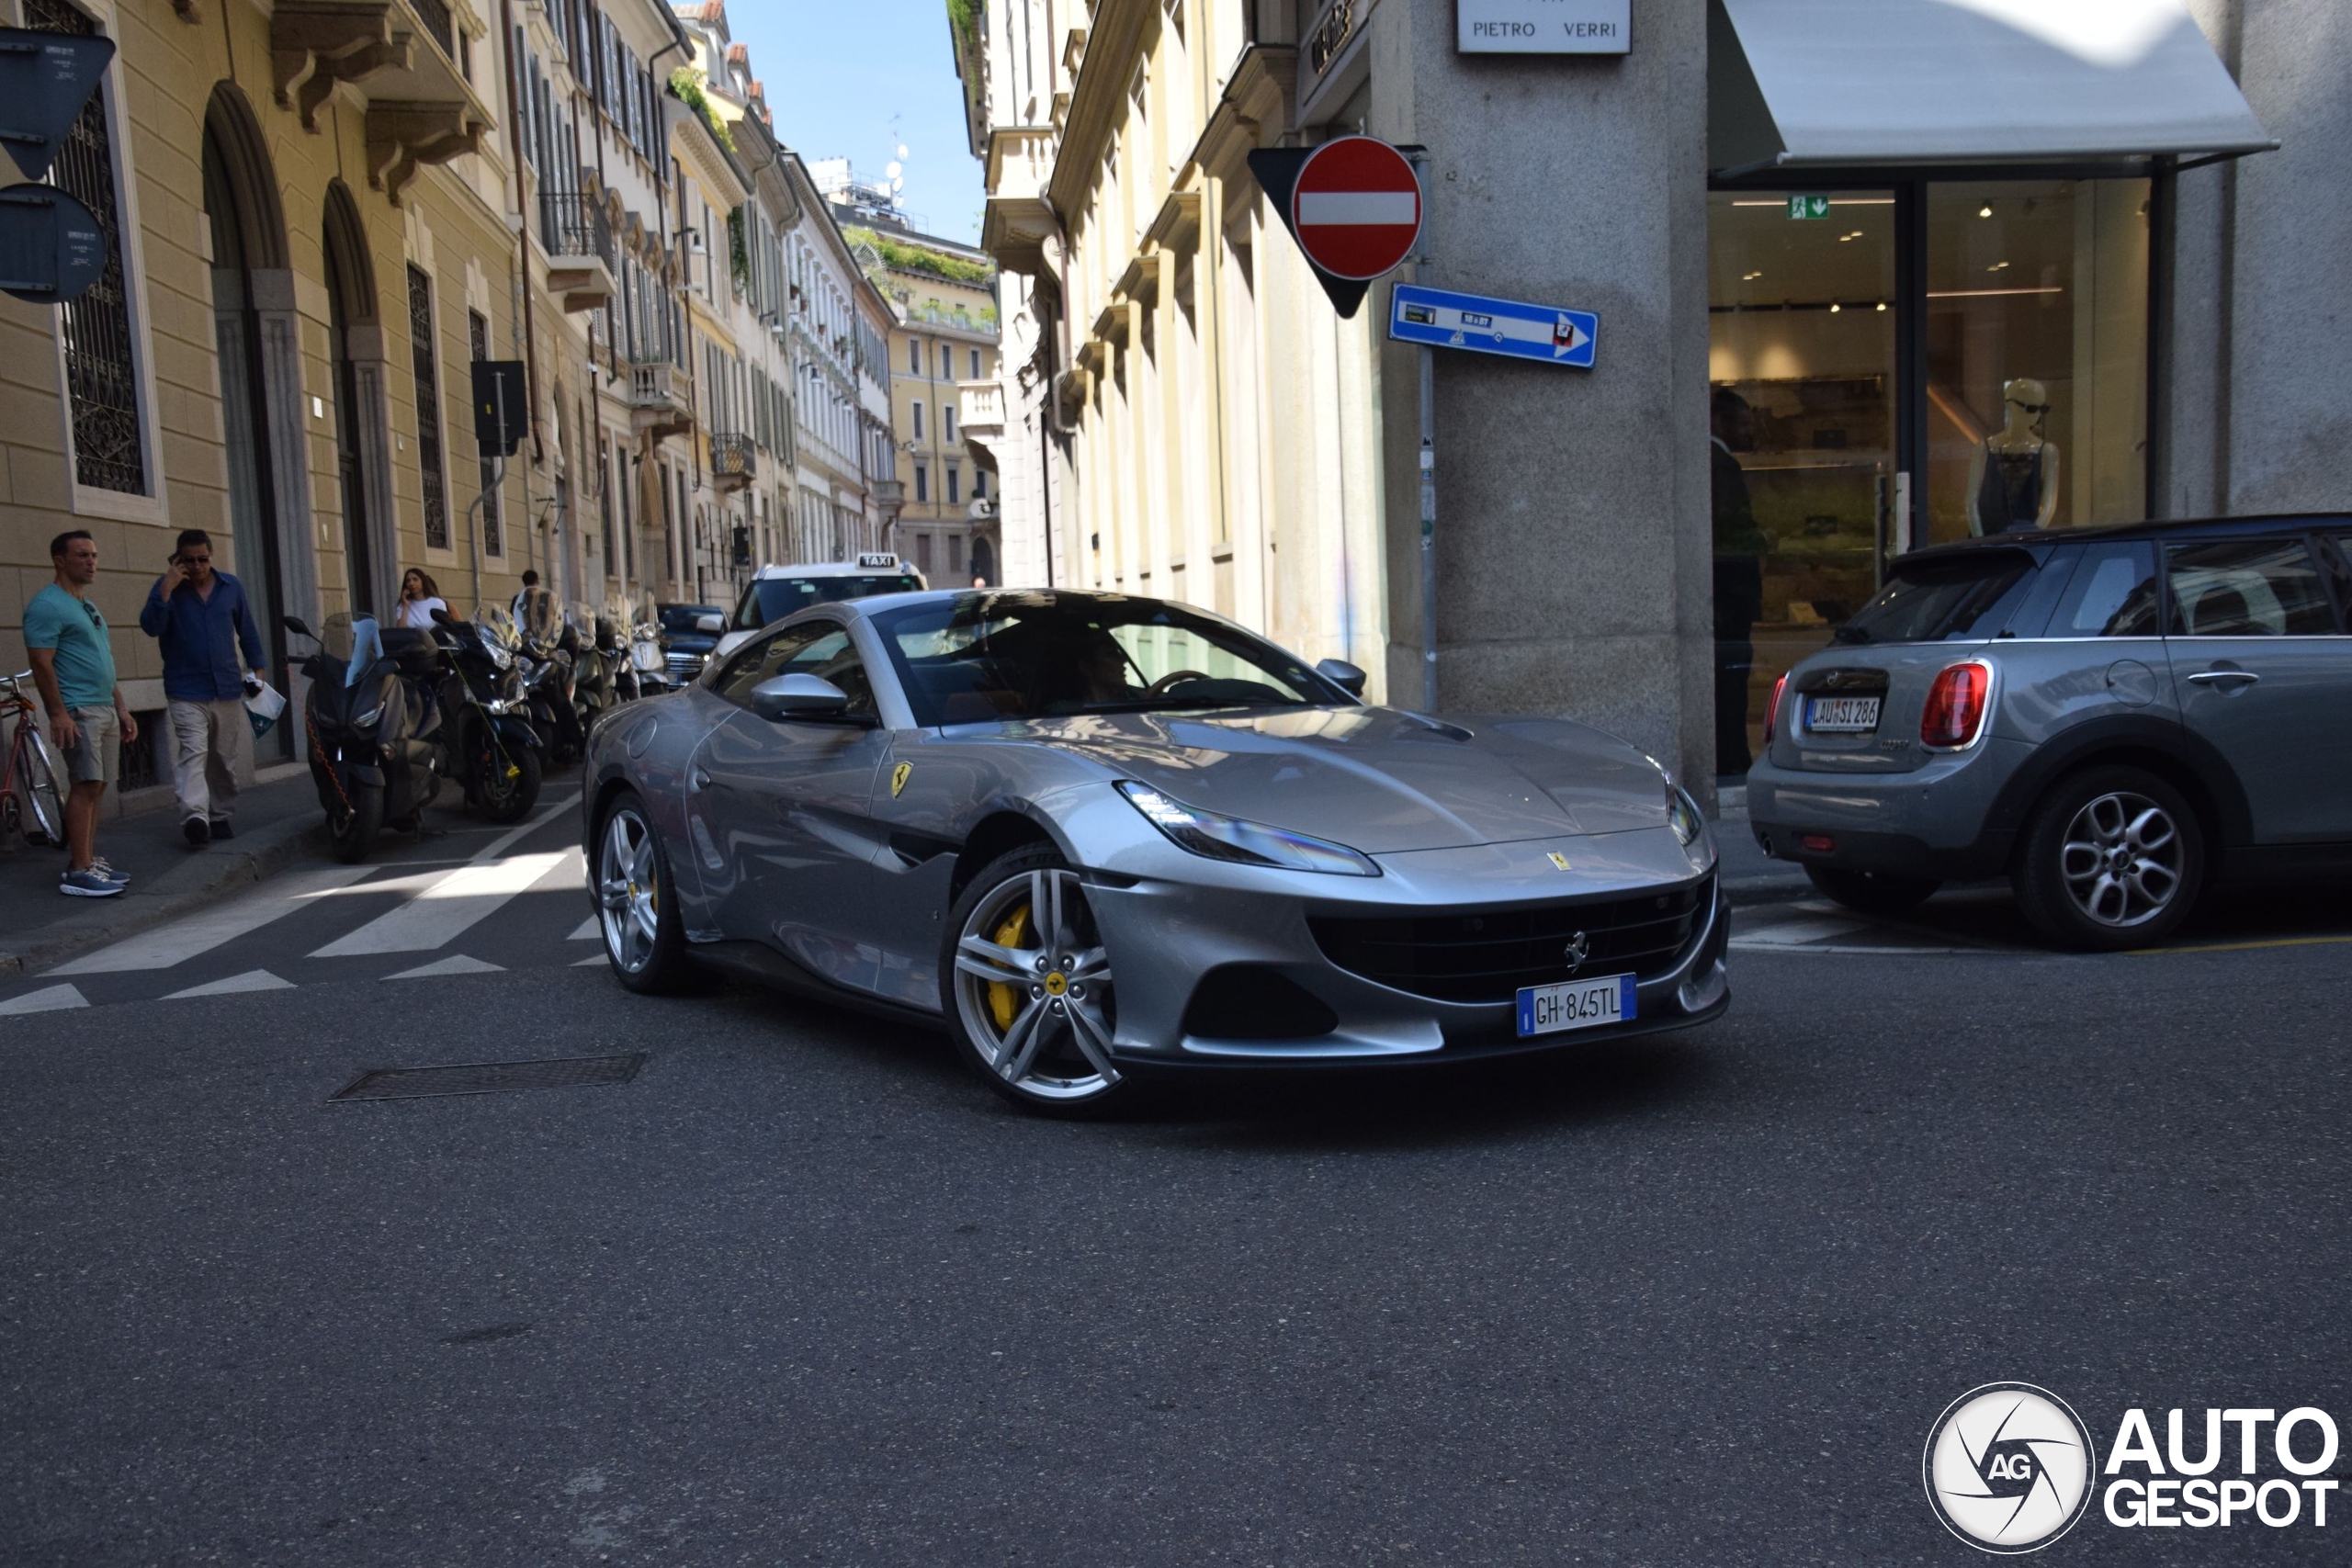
(307, 211)
(943, 362)
(1212, 429)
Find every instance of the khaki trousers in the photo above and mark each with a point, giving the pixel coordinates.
(212, 743)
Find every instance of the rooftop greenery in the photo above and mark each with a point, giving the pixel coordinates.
(686, 82)
(901, 255)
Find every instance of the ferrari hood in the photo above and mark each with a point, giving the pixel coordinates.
(1378, 780)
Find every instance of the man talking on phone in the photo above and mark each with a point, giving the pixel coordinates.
(201, 616)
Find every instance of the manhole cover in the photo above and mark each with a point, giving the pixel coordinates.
(490, 1077)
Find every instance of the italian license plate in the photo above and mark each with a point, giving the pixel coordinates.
(1575, 1004)
(1842, 716)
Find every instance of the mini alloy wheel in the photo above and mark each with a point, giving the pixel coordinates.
(2111, 858)
(1033, 998)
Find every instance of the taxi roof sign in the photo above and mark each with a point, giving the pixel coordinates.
(878, 560)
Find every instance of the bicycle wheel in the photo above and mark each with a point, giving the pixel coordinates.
(37, 768)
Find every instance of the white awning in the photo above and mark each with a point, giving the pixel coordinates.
(1793, 83)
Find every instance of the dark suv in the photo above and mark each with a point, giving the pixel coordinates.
(2112, 717)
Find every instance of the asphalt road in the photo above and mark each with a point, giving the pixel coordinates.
(801, 1292)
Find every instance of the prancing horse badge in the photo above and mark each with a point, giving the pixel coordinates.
(898, 776)
(1559, 860)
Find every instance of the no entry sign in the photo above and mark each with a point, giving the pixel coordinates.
(1356, 207)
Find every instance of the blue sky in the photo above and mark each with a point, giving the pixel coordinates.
(836, 71)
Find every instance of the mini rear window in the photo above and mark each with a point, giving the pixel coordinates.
(769, 598)
(1961, 597)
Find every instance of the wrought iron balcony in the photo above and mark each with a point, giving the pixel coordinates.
(579, 240)
(734, 461)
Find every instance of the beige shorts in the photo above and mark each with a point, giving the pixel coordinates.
(95, 756)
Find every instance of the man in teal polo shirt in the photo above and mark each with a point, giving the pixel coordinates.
(73, 667)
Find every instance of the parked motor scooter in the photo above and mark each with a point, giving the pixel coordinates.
(487, 741)
(592, 676)
(371, 715)
(547, 672)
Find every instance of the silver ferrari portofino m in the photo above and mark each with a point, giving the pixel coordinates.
(1098, 835)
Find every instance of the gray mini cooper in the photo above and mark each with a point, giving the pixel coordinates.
(2112, 717)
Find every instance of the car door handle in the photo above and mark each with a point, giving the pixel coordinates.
(700, 779)
(2216, 676)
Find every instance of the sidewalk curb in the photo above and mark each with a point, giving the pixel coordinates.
(272, 849)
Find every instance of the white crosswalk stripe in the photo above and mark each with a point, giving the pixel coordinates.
(251, 980)
(455, 964)
(456, 902)
(183, 939)
(49, 998)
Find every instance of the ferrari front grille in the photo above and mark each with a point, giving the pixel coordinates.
(1486, 956)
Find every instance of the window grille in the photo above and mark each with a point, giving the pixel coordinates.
(428, 409)
(493, 541)
(101, 373)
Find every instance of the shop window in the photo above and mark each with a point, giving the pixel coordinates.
(1800, 352)
(2037, 355)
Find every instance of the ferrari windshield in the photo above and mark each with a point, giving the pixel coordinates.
(979, 658)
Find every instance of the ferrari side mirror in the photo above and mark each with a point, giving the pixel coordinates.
(1342, 674)
(711, 625)
(799, 696)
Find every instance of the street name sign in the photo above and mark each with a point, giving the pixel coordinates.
(1548, 333)
(1543, 26)
(45, 78)
(1353, 204)
(51, 248)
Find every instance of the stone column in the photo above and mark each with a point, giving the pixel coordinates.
(1574, 543)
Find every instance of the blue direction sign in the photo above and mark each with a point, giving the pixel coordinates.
(1508, 327)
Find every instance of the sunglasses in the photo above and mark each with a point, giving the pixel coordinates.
(2031, 408)
(92, 611)
(195, 560)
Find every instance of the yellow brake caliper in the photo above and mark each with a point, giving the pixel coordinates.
(1003, 1001)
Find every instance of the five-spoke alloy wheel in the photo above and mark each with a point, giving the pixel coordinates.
(2111, 859)
(636, 907)
(1028, 987)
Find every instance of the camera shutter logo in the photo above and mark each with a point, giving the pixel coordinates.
(2009, 1468)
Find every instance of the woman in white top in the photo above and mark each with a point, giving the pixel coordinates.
(419, 598)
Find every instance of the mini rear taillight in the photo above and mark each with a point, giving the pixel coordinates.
(1956, 704)
(1772, 709)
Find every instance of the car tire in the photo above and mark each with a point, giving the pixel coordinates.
(1873, 892)
(2111, 858)
(637, 917)
(1035, 1029)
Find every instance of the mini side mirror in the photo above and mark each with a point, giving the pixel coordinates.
(710, 626)
(1342, 674)
(298, 626)
(799, 696)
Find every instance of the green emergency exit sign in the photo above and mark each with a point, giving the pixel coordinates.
(1808, 207)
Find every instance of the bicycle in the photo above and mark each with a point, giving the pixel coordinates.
(28, 798)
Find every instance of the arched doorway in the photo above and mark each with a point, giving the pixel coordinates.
(356, 350)
(983, 562)
(256, 337)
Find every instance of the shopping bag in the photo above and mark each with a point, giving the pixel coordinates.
(263, 703)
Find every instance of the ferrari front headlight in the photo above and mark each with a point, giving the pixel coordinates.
(1207, 834)
(1682, 814)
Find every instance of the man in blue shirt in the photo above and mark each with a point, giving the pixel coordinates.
(73, 666)
(201, 616)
